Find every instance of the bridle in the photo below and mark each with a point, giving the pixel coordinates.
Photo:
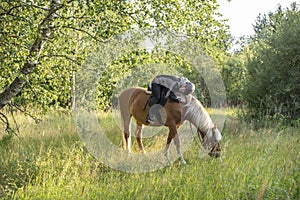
(200, 139)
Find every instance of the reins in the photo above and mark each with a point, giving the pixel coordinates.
(200, 140)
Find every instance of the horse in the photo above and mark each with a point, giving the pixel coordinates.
(133, 103)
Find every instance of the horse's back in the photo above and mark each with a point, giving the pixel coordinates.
(132, 97)
(127, 95)
(133, 102)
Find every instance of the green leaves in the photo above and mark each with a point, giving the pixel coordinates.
(80, 26)
(273, 79)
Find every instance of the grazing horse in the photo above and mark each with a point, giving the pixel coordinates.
(132, 102)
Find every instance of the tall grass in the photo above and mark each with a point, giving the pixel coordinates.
(50, 162)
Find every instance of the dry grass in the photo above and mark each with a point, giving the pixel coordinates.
(51, 162)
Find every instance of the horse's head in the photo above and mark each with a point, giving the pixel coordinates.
(210, 141)
(198, 116)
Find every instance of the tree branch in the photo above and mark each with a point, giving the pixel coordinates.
(45, 29)
(36, 120)
(13, 117)
(86, 32)
(61, 56)
(7, 12)
(5, 121)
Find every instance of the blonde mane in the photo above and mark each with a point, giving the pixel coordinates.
(196, 113)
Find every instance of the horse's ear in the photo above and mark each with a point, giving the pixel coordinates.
(215, 126)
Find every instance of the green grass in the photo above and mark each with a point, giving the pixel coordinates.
(50, 162)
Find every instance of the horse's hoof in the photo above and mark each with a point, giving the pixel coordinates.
(183, 162)
(167, 158)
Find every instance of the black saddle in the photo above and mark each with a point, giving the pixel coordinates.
(166, 95)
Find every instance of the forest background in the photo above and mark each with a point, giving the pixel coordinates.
(44, 43)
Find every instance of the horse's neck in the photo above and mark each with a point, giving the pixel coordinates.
(198, 116)
(202, 126)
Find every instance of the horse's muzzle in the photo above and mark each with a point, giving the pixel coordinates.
(215, 154)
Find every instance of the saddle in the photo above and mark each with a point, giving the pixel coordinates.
(165, 96)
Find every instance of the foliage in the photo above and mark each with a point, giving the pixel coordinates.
(139, 70)
(197, 21)
(79, 27)
(272, 82)
(233, 73)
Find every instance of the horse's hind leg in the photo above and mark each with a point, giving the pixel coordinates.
(168, 147)
(127, 140)
(138, 136)
(126, 131)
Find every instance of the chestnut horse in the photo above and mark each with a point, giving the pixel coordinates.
(132, 102)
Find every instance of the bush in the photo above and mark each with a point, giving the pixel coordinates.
(272, 82)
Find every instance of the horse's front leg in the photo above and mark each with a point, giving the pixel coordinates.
(177, 144)
(138, 136)
(166, 153)
(173, 134)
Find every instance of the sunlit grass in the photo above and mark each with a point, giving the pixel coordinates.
(50, 162)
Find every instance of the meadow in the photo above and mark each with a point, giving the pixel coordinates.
(49, 161)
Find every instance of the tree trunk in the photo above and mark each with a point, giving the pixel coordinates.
(45, 29)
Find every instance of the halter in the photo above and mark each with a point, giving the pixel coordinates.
(185, 117)
(200, 139)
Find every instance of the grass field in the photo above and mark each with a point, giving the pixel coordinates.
(49, 161)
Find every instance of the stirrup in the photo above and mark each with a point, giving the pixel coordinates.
(149, 120)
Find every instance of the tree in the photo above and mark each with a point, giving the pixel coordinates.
(44, 42)
(172, 16)
(31, 59)
(273, 80)
(233, 73)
